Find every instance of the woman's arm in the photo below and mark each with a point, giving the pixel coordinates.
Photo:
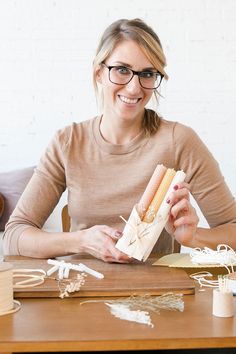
(99, 241)
(183, 223)
(24, 234)
(209, 189)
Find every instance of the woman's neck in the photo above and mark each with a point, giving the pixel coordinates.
(119, 132)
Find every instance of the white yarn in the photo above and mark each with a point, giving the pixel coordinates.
(200, 277)
(224, 256)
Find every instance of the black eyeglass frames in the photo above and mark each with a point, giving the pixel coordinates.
(121, 75)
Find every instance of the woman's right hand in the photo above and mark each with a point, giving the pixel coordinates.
(100, 241)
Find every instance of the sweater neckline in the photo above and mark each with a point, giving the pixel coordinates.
(116, 149)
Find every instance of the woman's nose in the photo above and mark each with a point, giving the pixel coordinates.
(134, 85)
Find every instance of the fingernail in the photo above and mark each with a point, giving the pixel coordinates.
(168, 201)
(176, 187)
(118, 234)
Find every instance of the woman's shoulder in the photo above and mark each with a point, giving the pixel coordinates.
(175, 126)
(74, 131)
(76, 127)
(177, 131)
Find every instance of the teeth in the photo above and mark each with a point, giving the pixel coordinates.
(128, 100)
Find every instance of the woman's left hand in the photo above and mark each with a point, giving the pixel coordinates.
(183, 219)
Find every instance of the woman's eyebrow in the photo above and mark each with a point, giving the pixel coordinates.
(123, 64)
(130, 66)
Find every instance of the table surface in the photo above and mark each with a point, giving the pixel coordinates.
(54, 324)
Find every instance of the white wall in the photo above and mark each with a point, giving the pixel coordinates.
(46, 53)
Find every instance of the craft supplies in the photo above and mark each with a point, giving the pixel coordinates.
(222, 305)
(137, 308)
(68, 286)
(7, 303)
(224, 255)
(34, 277)
(124, 313)
(29, 278)
(201, 278)
(142, 232)
(64, 268)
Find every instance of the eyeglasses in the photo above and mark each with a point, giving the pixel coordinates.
(121, 75)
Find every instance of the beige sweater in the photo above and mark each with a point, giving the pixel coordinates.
(105, 180)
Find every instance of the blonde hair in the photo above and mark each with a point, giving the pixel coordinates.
(138, 31)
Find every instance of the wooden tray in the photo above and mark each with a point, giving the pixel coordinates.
(119, 279)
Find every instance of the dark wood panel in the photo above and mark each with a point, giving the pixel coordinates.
(119, 279)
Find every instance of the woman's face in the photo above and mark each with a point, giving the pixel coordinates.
(125, 101)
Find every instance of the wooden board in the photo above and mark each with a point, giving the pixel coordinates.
(119, 279)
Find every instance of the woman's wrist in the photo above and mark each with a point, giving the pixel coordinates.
(76, 243)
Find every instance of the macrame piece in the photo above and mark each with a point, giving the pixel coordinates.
(139, 236)
(136, 308)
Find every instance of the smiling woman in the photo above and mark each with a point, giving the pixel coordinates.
(106, 163)
(124, 98)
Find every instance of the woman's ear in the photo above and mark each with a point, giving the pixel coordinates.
(98, 74)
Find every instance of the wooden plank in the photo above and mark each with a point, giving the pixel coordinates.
(119, 279)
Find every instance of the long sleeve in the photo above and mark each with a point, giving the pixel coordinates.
(207, 183)
(40, 196)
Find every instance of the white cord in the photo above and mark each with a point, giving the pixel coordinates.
(33, 279)
(200, 277)
(224, 256)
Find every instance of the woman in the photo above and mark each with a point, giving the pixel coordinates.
(106, 163)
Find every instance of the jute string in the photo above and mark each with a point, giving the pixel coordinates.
(7, 303)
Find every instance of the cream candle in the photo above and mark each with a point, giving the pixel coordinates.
(159, 195)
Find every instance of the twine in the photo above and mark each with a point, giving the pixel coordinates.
(7, 303)
(31, 279)
(7, 274)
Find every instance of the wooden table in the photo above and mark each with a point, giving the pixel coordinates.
(53, 325)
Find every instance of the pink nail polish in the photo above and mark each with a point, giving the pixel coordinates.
(118, 234)
(168, 201)
(176, 187)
